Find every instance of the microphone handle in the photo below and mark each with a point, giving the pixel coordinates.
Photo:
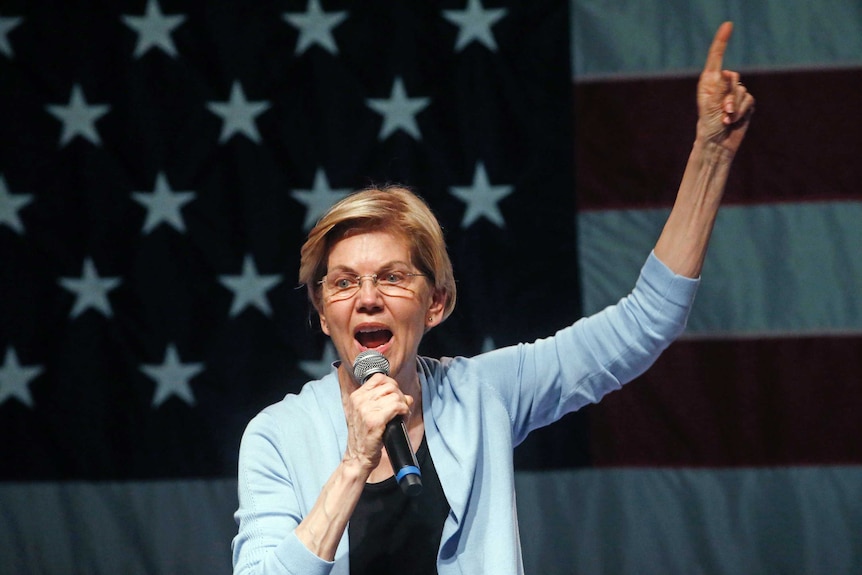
(401, 456)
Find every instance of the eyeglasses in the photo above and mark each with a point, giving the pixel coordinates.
(343, 285)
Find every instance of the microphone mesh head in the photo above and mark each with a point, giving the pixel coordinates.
(369, 362)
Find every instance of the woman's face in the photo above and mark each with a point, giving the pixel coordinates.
(369, 319)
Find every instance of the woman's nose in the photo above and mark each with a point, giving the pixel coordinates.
(368, 289)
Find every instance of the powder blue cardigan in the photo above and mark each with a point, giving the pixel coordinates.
(476, 411)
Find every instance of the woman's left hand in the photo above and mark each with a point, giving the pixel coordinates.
(724, 104)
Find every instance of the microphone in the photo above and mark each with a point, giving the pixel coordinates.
(395, 437)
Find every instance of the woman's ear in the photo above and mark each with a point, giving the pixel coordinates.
(434, 314)
(323, 326)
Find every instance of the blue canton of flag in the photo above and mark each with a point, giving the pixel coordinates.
(161, 163)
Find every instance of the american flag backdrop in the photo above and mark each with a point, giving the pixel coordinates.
(162, 160)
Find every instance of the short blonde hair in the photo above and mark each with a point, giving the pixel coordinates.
(394, 209)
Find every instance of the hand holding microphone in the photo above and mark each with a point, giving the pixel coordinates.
(395, 437)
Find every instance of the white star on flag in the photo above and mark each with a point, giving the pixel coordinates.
(318, 199)
(91, 291)
(7, 25)
(488, 344)
(317, 369)
(10, 205)
(315, 27)
(78, 117)
(163, 205)
(249, 288)
(154, 29)
(481, 198)
(474, 23)
(172, 377)
(15, 379)
(398, 111)
(238, 114)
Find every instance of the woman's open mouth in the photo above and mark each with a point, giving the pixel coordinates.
(371, 338)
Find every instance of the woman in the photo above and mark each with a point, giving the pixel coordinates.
(317, 493)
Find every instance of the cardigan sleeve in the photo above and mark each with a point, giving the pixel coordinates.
(269, 509)
(542, 381)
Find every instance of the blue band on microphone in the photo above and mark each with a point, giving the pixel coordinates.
(407, 470)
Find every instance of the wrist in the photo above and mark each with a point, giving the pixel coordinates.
(712, 151)
(354, 468)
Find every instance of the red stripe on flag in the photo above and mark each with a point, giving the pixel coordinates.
(737, 403)
(633, 138)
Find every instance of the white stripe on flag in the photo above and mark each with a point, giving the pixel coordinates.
(596, 521)
(133, 528)
(655, 37)
(772, 269)
(691, 521)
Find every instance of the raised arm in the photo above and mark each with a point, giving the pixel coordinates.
(724, 109)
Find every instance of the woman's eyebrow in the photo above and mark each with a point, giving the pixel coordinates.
(387, 265)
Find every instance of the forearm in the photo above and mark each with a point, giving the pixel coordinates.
(683, 242)
(322, 529)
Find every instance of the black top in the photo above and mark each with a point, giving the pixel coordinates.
(391, 533)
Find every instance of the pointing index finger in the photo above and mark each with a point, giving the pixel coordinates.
(719, 45)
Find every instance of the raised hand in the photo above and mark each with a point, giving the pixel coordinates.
(723, 102)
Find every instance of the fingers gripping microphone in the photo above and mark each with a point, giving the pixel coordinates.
(395, 437)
